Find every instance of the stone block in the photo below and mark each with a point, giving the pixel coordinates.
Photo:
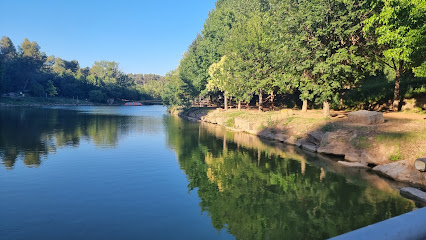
(366, 117)
(414, 194)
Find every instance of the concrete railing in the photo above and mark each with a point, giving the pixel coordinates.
(407, 226)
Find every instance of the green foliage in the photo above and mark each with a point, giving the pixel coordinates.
(400, 28)
(38, 90)
(396, 156)
(29, 70)
(177, 92)
(97, 96)
(7, 48)
(51, 89)
(322, 50)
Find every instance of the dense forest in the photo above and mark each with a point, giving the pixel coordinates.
(29, 71)
(317, 53)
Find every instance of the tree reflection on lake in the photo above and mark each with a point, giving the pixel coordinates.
(31, 134)
(257, 191)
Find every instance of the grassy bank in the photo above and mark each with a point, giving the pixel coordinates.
(401, 139)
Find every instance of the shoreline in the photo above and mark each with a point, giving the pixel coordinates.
(357, 145)
(45, 102)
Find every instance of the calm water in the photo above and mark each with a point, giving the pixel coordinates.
(136, 173)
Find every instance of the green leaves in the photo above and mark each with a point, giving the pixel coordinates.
(400, 27)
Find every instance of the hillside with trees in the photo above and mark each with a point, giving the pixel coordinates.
(343, 54)
(28, 71)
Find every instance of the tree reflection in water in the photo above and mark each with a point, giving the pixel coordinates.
(257, 191)
(31, 134)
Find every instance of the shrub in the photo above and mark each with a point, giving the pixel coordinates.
(97, 96)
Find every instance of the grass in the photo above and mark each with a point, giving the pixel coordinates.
(230, 122)
(329, 127)
(361, 143)
(396, 156)
(401, 137)
(392, 136)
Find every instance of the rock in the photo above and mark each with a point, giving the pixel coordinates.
(220, 121)
(366, 117)
(243, 124)
(315, 137)
(353, 164)
(353, 156)
(414, 194)
(420, 164)
(309, 146)
(370, 159)
(280, 137)
(396, 170)
(402, 171)
(293, 141)
(267, 134)
(335, 143)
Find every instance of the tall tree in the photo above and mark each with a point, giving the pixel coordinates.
(7, 48)
(30, 62)
(400, 28)
(251, 46)
(330, 45)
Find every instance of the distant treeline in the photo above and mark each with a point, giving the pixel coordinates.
(29, 71)
(347, 53)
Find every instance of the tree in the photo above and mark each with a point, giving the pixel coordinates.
(30, 49)
(107, 72)
(30, 63)
(400, 28)
(7, 61)
(224, 75)
(250, 47)
(97, 96)
(327, 37)
(7, 48)
(51, 89)
(177, 92)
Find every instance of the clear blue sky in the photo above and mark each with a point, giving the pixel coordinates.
(143, 36)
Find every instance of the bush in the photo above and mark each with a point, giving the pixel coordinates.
(37, 90)
(97, 96)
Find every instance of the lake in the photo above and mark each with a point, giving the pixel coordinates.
(138, 173)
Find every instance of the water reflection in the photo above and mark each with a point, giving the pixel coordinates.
(257, 191)
(31, 134)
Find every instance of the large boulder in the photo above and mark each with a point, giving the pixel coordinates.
(414, 193)
(366, 117)
(353, 164)
(315, 137)
(335, 143)
(402, 171)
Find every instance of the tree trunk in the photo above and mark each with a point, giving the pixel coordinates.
(395, 104)
(326, 108)
(258, 157)
(225, 96)
(239, 105)
(305, 105)
(225, 145)
(341, 104)
(199, 100)
(272, 99)
(25, 86)
(260, 100)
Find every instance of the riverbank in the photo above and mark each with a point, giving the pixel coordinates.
(389, 149)
(40, 101)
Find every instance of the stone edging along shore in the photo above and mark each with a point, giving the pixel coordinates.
(330, 142)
